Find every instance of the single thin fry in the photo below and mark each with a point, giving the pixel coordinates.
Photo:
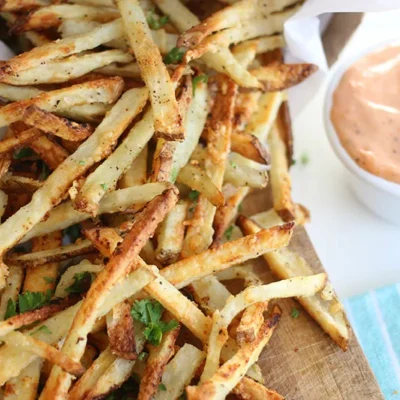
(247, 389)
(166, 114)
(18, 5)
(11, 291)
(250, 323)
(250, 147)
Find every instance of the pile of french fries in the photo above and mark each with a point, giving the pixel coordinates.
(134, 130)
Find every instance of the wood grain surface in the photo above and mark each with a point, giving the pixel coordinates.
(301, 362)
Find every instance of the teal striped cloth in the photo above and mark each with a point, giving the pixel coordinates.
(375, 317)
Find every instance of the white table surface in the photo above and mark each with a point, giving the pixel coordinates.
(359, 250)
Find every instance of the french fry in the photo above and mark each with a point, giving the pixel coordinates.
(179, 372)
(158, 359)
(136, 174)
(120, 264)
(15, 142)
(250, 323)
(166, 114)
(3, 202)
(197, 179)
(11, 291)
(50, 123)
(130, 70)
(245, 105)
(102, 90)
(115, 375)
(299, 286)
(63, 48)
(19, 184)
(229, 374)
(65, 215)
(199, 236)
(17, 5)
(267, 219)
(171, 234)
(69, 68)
(104, 239)
(279, 77)
(285, 129)
(88, 380)
(280, 178)
(244, 272)
(247, 389)
(42, 349)
(184, 272)
(13, 93)
(121, 332)
(263, 43)
(328, 313)
(250, 147)
(51, 16)
(230, 17)
(106, 176)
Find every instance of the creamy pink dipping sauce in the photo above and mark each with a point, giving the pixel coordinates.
(366, 113)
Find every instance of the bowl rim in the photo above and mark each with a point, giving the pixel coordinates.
(334, 79)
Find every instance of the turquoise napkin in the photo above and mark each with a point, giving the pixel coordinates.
(375, 317)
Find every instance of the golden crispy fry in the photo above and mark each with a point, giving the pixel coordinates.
(229, 17)
(62, 48)
(250, 323)
(263, 44)
(19, 184)
(171, 234)
(245, 106)
(250, 147)
(229, 374)
(267, 219)
(199, 236)
(158, 359)
(17, 5)
(280, 178)
(65, 215)
(49, 151)
(43, 277)
(166, 114)
(42, 349)
(102, 90)
(29, 317)
(85, 384)
(115, 375)
(282, 76)
(328, 313)
(183, 272)
(179, 372)
(299, 286)
(3, 203)
(121, 332)
(51, 16)
(247, 389)
(57, 126)
(120, 264)
(16, 142)
(106, 176)
(136, 174)
(11, 291)
(197, 179)
(104, 239)
(13, 93)
(163, 161)
(239, 173)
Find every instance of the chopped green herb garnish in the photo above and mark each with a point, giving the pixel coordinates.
(11, 309)
(228, 233)
(82, 162)
(143, 355)
(82, 282)
(23, 153)
(149, 313)
(294, 313)
(32, 300)
(197, 80)
(43, 329)
(293, 162)
(156, 22)
(174, 56)
(240, 207)
(104, 186)
(304, 159)
(48, 279)
(233, 164)
(73, 232)
(193, 195)
(162, 387)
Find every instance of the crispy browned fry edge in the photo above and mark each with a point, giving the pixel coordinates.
(20, 5)
(121, 333)
(284, 125)
(250, 323)
(21, 139)
(105, 239)
(19, 184)
(302, 214)
(50, 123)
(250, 147)
(40, 314)
(156, 363)
(276, 77)
(163, 161)
(49, 151)
(247, 389)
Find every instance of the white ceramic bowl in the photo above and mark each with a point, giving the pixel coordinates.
(380, 196)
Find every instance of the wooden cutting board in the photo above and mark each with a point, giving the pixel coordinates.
(301, 362)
